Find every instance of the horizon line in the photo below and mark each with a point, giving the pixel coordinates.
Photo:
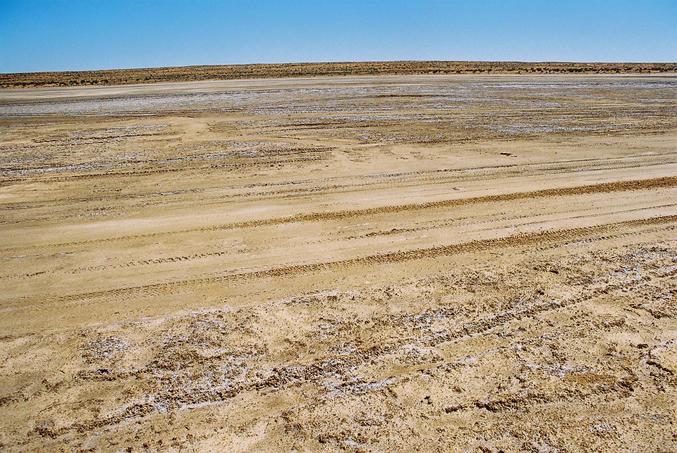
(213, 65)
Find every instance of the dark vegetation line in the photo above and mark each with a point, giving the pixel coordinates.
(255, 71)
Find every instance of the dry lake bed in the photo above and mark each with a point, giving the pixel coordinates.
(412, 263)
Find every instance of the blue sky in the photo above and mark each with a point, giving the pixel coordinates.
(39, 35)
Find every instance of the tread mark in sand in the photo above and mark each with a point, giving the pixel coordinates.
(618, 186)
(392, 257)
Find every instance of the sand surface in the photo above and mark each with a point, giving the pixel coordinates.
(410, 263)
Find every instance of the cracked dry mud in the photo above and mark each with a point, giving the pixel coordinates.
(410, 263)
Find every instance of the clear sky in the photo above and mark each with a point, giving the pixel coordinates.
(40, 35)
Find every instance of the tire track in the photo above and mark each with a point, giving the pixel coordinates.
(542, 168)
(433, 225)
(394, 231)
(479, 245)
(619, 186)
